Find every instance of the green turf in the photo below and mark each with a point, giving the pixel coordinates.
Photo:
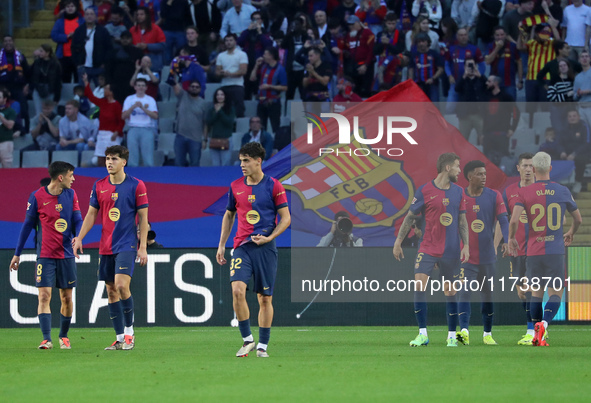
(327, 364)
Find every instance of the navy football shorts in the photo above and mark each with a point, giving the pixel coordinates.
(517, 266)
(257, 262)
(120, 263)
(449, 268)
(58, 272)
(551, 266)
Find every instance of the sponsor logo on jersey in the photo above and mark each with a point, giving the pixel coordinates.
(446, 219)
(114, 214)
(253, 217)
(477, 226)
(61, 225)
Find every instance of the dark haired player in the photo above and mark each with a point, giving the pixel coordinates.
(120, 198)
(258, 199)
(545, 204)
(517, 264)
(441, 203)
(484, 206)
(54, 211)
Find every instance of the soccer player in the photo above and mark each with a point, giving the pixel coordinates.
(545, 203)
(119, 197)
(441, 203)
(54, 211)
(517, 263)
(257, 198)
(484, 206)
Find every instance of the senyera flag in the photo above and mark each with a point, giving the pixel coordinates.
(370, 170)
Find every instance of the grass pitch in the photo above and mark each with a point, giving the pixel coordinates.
(327, 364)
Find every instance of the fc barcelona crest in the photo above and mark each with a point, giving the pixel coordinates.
(114, 196)
(445, 201)
(58, 207)
(251, 198)
(374, 190)
(476, 208)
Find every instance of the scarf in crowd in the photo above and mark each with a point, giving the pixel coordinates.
(4, 66)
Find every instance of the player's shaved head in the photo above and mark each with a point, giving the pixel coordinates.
(445, 160)
(58, 168)
(471, 166)
(120, 151)
(542, 162)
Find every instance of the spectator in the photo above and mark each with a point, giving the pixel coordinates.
(317, 77)
(46, 80)
(59, 10)
(389, 41)
(187, 69)
(191, 129)
(273, 81)
(501, 118)
(151, 243)
(14, 75)
(143, 69)
(45, 128)
(206, 17)
(344, 10)
(103, 11)
(486, 15)
(194, 49)
(175, 18)
(505, 61)
(7, 120)
(121, 67)
(461, 12)
(294, 40)
(390, 71)
(275, 18)
(140, 109)
(560, 91)
(116, 25)
(576, 141)
(75, 130)
(430, 9)
(573, 27)
(258, 135)
(231, 66)
(110, 123)
(98, 92)
(552, 146)
(225, 5)
(582, 86)
(455, 64)
(220, 120)
(512, 18)
(62, 33)
(322, 31)
(237, 18)
(253, 41)
(345, 95)
(358, 57)
(426, 67)
(372, 13)
(149, 38)
(550, 71)
(152, 8)
(421, 25)
(84, 103)
(91, 45)
(471, 90)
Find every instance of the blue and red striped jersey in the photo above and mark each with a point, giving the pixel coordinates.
(545, 204)
(425, 64)
(55, 217)
(505, 64)
(510, 196)
(457, 55)
(271, 76)
(482, 213)
(118, 206)
(256, 207)
(441, 209)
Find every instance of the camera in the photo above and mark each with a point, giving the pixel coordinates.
(344, 226)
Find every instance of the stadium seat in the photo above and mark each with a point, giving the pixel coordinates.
(23, 141)
(250, 108)
(166, 144)
(16, 159)
(166, 125)
(35, 159)
(70, 156)
(242, 125)
(167, 109)
(164, 91)
(158, 158)
(285, 121)
(205, 158)
(210, 89)
(86, 158)
(67, 92)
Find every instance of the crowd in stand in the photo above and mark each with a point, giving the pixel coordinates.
(483, 53)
